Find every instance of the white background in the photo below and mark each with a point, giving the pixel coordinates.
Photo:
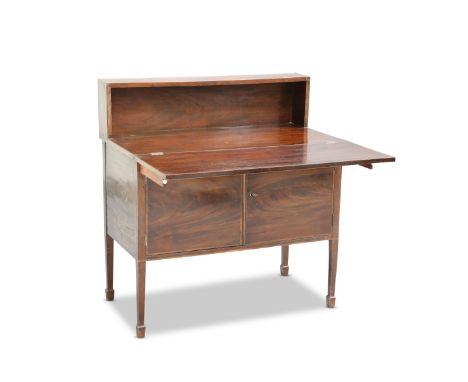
(390, 75)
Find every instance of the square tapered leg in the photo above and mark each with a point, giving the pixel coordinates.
(284, 267)
(109, 244)
(140, 287)
(332, 264)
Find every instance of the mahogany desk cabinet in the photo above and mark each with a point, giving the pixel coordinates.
(203, 165)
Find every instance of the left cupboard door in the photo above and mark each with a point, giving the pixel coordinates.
(194, 214)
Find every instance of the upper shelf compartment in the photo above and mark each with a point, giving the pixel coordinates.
(145, 107)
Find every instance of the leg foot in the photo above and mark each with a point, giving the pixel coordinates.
(140, 331)
(109, 294)
(331, 301)
(284, 267)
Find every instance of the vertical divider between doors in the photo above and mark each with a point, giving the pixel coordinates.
(244, 208)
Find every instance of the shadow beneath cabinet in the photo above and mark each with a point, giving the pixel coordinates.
(219, 303)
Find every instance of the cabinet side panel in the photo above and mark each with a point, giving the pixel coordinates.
(103, 105)
(121, 200)
(300, 109)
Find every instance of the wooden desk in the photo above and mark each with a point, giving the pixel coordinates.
(206, 165)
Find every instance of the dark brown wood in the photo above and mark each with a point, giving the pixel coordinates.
(105, 87)
(336, 201)
(300, 104)
(333, 243)
(109, 243)
(218, 164)
(306, 108)
(289, 205)
(218, 138)
(195, 214)
(173, 255)
(244, 207)
(323, 151)
(142, 111)
(284, 267)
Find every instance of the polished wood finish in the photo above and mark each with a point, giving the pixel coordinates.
(217, 164)
(288, 205)
(284, 267)
(317, 150)
(316, 147)
(193, 214)
(142, 111)
(218, 138)
(157, 256)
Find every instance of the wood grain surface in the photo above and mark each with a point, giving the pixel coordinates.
(236, 248)
(289, 205)
(137, 111)
(216, 138)
(315, 150)
(216, 164)
(194, 214)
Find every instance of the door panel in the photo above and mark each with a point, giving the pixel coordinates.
(288, 205)
(191, 214)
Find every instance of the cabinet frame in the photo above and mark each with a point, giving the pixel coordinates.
(164, 139)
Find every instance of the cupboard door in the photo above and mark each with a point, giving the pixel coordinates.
(192, 214)
(289, 205)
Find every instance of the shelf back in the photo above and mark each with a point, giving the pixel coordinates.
(145, 110)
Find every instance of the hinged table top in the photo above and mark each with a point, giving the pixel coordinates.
(192, 153)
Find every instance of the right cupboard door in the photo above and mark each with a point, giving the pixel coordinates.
(289, 205)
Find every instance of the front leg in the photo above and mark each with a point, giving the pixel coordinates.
(332, 264)
(141, 254)
(140, 289)
(109, 244)
(333, 243)
(284, 267)
(108, 241)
